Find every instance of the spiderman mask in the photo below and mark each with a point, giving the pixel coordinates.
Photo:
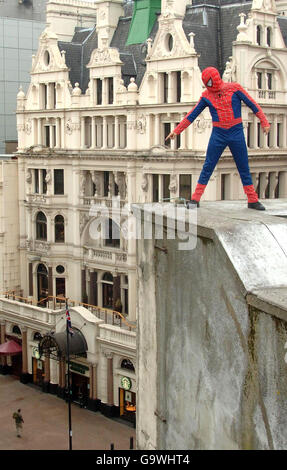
(211, 79)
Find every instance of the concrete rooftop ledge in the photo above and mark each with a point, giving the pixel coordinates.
(255, 243)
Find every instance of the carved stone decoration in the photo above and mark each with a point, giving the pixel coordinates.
(141, 124)
(72, 126)
(267, 5)
(43, 247)
(173, 183)
(229, 74)
(48, 178)
(200, 125)
(83, 180)
(144, 183)
(108, 56)
(29, 176)
(29, 244)
(38, 198)
(120, 180)
(28, 127)
(84, 218)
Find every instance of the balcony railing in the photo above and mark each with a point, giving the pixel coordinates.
(267, 94)
(108, 202)
(109, 316)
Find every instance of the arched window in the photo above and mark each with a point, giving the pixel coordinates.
(127, 364)
(37, 336)
(41, 226)
(112, 234)
(269, 36)
(59, 229)
(16, 330)
(258, 35)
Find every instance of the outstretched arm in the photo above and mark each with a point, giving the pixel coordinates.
(251, 103)
(188, 119)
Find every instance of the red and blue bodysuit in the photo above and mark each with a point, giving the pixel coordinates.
(224, 103)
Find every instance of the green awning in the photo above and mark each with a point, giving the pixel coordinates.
(143, 19)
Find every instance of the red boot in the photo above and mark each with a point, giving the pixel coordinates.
(252, 197)
(195, 198)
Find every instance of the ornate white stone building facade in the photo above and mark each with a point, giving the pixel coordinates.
(92, 130)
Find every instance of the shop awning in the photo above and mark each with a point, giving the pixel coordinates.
(55, 344)
(10, 348)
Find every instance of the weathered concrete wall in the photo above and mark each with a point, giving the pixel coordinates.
(211, 370)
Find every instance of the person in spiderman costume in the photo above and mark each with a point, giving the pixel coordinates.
(224, 102)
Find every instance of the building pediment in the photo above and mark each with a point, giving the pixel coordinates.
(48, 57)
(105, 57)
(170, 42)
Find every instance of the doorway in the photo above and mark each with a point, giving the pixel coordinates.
(42, 283)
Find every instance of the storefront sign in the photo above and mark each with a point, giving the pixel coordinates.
(80, 368)
(126, 383)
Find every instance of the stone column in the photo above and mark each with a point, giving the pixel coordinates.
(170, 86)
(110, 379)
(157, 129)
(58, 133)
(160, 188)
(117, 134)
(284, 131)
(105, 132)
(34, 131)
(62, 121)
(183, 136)
(83, 131)
(24, 375)
(273, 181)
(255, 140)
(105, 91)
(150, 130)
(39, 131)
(93, 132)
(263, 184)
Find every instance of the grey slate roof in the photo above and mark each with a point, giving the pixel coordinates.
(214, 23)
(282, 20)
(78, 54)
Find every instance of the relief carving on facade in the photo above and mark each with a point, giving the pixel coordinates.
(28, 127)
(72, 126)
(109, 56)
(141, 124)
(173, 183)
(144, 183)
(84, 218)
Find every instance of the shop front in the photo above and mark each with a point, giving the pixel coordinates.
(11, 350)
(37, 368)
(127, 400)
(80, 383)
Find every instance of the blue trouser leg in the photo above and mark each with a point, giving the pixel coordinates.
(216, 145)
(238, 148)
